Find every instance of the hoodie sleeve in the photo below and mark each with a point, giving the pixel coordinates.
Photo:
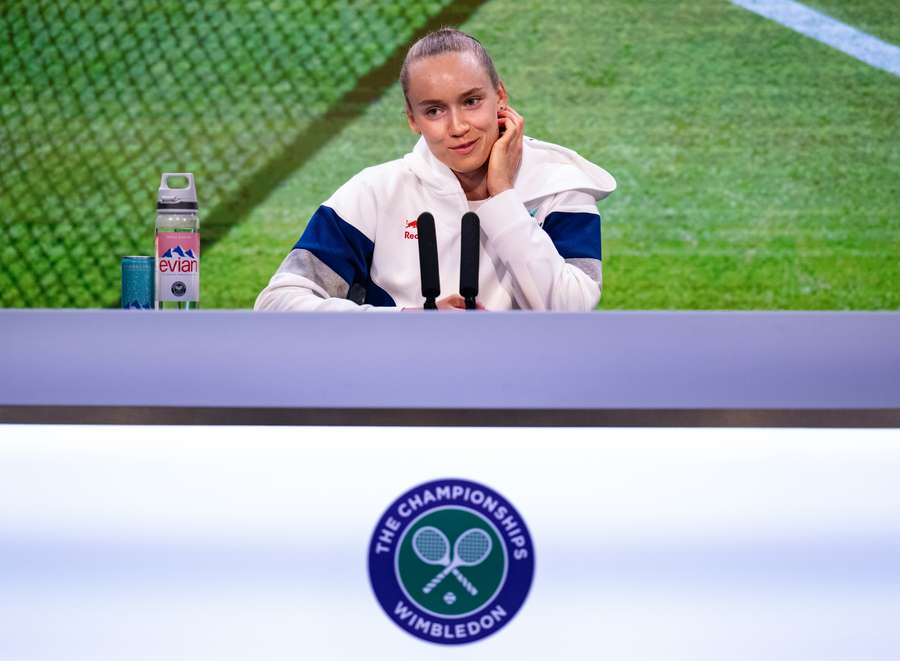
(333, 254)
(555, 257)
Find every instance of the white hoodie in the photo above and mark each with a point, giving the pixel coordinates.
(540, 240)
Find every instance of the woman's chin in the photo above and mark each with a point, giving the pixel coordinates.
(469, 164)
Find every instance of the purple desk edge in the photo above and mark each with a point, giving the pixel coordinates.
(603, 368)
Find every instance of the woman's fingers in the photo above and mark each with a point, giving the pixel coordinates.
(506, 154)
(515, 129)
(512, 119)
(514, 125)
(508, 141)
(451, 302)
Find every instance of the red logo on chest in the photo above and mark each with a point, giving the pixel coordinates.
(411, 225)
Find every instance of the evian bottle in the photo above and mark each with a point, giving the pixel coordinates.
(177, 245)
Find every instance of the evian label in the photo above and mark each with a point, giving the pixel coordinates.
(178, 266)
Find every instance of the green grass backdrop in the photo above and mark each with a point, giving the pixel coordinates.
(757, 168)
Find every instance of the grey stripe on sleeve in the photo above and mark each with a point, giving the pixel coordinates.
(303, 263)
(592, 267)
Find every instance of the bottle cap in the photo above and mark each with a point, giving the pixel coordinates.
(177, 199)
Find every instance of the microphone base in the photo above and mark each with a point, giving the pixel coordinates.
(470, 303)
(430, 304)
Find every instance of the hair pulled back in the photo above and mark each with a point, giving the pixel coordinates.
(446, 40)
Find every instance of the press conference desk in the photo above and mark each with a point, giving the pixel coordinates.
(515, 368)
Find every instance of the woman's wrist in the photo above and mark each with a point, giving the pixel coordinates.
(500, 189)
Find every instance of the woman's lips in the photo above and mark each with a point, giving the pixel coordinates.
(465, 148)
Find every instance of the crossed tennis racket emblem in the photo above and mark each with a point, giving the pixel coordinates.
(433, 548)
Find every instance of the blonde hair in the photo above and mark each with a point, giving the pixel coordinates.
(446, 40)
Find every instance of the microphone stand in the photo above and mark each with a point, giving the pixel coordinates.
(428, 260)
(468, 259)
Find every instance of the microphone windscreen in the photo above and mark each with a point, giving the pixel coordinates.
(468, 258)
(428, 256)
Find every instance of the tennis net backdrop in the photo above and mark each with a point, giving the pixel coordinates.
(97, 98)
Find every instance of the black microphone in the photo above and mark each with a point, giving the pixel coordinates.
(468, 259)
(428, 260)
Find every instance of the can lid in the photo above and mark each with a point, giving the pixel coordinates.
(184, 199)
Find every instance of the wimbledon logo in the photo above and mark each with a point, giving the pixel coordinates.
(451, 561)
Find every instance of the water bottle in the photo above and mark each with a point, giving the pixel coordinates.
(177, 245)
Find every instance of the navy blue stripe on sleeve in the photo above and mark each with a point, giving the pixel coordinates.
(376, 296)
(574, 234)
(347, 251)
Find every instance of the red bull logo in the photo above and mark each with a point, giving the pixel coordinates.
(411, 225)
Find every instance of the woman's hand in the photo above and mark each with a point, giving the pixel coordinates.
(451, 302)
(506, 154)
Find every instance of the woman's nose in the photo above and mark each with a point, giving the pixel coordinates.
(458, 125)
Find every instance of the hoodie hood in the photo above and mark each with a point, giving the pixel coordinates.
(546, 169)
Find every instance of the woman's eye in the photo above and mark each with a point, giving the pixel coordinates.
(432, 112)
(472, 101)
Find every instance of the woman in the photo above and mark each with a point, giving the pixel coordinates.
(540, 231)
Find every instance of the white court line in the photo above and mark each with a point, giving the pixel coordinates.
(853, 42)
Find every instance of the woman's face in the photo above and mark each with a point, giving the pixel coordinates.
(453, 104)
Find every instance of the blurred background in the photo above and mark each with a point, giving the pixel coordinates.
(757, 168)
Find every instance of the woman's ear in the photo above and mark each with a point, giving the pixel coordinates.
(502, 95)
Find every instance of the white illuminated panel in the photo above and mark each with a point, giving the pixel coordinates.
(250, 543)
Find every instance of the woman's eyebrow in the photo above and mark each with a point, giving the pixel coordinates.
(474, 90)
(439, 102)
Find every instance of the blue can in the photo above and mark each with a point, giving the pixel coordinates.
(138, 272)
